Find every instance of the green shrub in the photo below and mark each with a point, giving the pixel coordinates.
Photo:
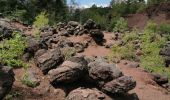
(151, 27)
(11, 50)
(121, 25)
(164, 30)
(155, 64)
(152, 61)
(115, 53)
(112, 24)
(26, 80)
(12, 95)
(152, 43)
(41, 20)
(122, 52)
(141, 8)
(68, 52)
(130, 36)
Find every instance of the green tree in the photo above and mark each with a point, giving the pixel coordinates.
(156, 1)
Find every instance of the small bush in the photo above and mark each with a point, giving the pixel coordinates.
(122, 52)
(11, 50)
(68, 52)
(121, 25)
(152, 61)
(130, 36)
(164, 28)
(41, 20)
(151, 27)
(112, 24)
(26, 80)
(12, 95)
(152, 43)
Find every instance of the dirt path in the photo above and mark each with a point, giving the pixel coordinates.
(146, 88)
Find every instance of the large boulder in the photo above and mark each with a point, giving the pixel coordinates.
(70, 71)
(89, 24)
(5, 29)
(103, 72)
(97, 35)
(79, 30)
(6, 80)
(79, 47)
(61, 42)
(86, 94)
(120, 85)
(33, 45)
(48, 30)
(73, 23)
(45, 40)
(160, 79)
(49, 60)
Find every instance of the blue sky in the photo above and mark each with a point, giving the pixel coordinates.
(89, 3)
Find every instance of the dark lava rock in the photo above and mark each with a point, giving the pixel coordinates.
(70, 71)
(120, 85)
(73, 23)
(89, 24)
(6, 80)
(86, 94)
(101, 71)
(6, 29)
(133, 65)
(160, 79)
(49, 60)
(32, 45)
(40, 52)
(79, 47)
(166, 86)
(97, 35)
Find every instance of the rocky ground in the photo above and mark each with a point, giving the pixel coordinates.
(86, 74)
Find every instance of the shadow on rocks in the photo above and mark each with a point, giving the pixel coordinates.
(127, 96)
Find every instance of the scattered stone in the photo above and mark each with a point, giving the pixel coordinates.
(139, 52)
(32, 46)
(120, 85)
(40, 52)
(108, 45)
(86, 94)
(160, 79)
(65, 43)
(166, 86)
(5, 28)
(89, 24)
(73, 23)
(63, 32)
(31, 79)
(26, 57)
(134, 65)
(97, 35)
(79, 47)
(70, 71)
(125, 62)
(102, 72)
(49, 60)
(6, 80)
